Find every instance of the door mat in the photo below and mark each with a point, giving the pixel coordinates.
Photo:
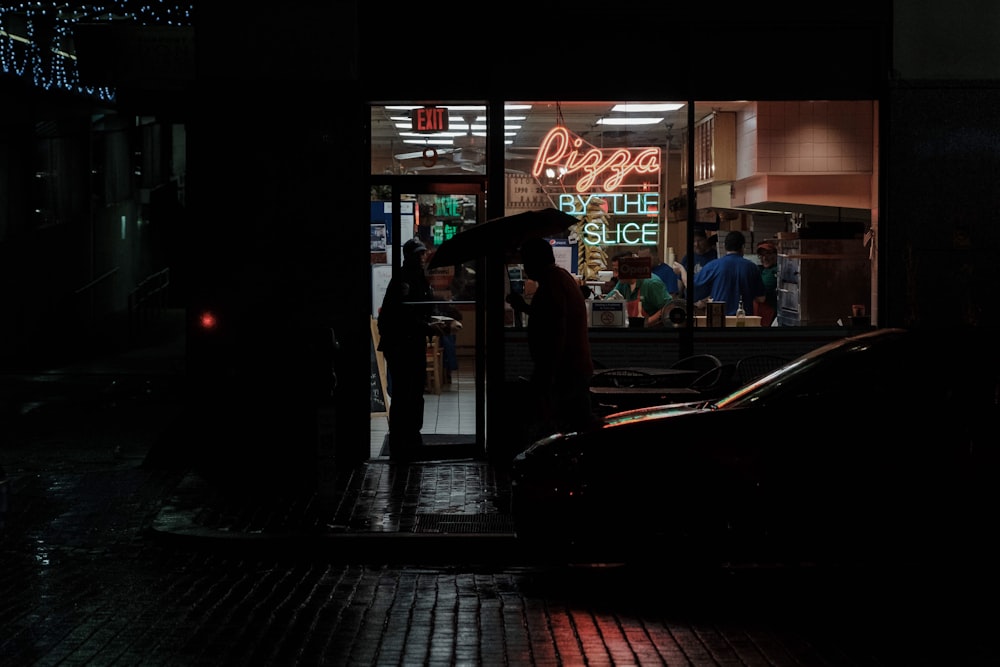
(443, 446)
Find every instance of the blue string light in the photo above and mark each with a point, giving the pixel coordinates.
(53, 65)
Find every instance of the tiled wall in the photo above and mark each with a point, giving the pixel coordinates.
(824, 137)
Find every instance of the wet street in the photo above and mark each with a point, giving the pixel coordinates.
(83, 581)
(108, 596)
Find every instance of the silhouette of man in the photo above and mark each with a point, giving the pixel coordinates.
(404, 325)
(558, 340)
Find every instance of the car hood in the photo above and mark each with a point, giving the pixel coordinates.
(642, 428)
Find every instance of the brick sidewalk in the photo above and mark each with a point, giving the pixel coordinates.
(399, 564)
(438, 508)
(110, 559)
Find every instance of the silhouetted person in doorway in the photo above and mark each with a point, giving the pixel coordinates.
(404, 324)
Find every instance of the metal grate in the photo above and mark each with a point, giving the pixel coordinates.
(463, 523)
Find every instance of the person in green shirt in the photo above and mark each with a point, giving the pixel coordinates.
(645, 297)
(767, 253)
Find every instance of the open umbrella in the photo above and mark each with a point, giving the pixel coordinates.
(504, 234)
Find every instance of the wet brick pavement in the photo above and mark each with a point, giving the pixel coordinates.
(111, 559)
(84, 582)
(378, 511)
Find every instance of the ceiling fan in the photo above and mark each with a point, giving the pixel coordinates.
(470, 148)
(468, 154)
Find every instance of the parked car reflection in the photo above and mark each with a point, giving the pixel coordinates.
(877, 445)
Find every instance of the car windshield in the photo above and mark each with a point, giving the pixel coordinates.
(828, 369)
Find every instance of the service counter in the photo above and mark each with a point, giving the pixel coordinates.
(731, 321)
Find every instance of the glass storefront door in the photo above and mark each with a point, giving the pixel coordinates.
(433, 210)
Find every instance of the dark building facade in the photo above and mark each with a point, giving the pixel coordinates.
(236, 155)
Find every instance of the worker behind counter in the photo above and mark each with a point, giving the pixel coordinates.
(767, 253)
(644, 297)
(732, 278)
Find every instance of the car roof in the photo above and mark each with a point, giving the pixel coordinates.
(919, 345)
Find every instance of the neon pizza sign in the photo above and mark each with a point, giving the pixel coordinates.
(601, 172)
(561, 150)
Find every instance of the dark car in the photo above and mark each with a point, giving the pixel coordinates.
(877, 445)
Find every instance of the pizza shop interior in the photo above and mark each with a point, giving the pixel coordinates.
(654, 188)
(797, 178)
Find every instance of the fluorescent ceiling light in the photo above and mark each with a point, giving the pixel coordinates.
(482, 119)
(455, 107)
(455, 130)
(445, 106)
(634, 107)
(430, 142)
(432, 134)
(628, 121)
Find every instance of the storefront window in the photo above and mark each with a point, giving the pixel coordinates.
(798, 175)
(433, 139)
(652, 179)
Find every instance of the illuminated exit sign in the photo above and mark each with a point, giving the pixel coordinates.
(429, 119)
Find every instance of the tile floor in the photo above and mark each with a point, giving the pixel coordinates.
(453, 411)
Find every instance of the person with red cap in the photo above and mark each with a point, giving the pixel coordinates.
(767, 253)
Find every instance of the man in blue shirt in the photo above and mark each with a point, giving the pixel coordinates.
(657, 266)
(730, 278)
(704, 252)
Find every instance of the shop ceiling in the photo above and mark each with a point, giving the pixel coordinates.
(392, 152)
(389, 150)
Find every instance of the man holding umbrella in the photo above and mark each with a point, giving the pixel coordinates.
(558, 341)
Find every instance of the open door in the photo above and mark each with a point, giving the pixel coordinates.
(433, 209)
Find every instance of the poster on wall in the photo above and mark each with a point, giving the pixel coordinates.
(379, 246)
(565, 253)
(378, 237)
(381, 213)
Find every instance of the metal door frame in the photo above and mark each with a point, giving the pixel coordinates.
(474, 184)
